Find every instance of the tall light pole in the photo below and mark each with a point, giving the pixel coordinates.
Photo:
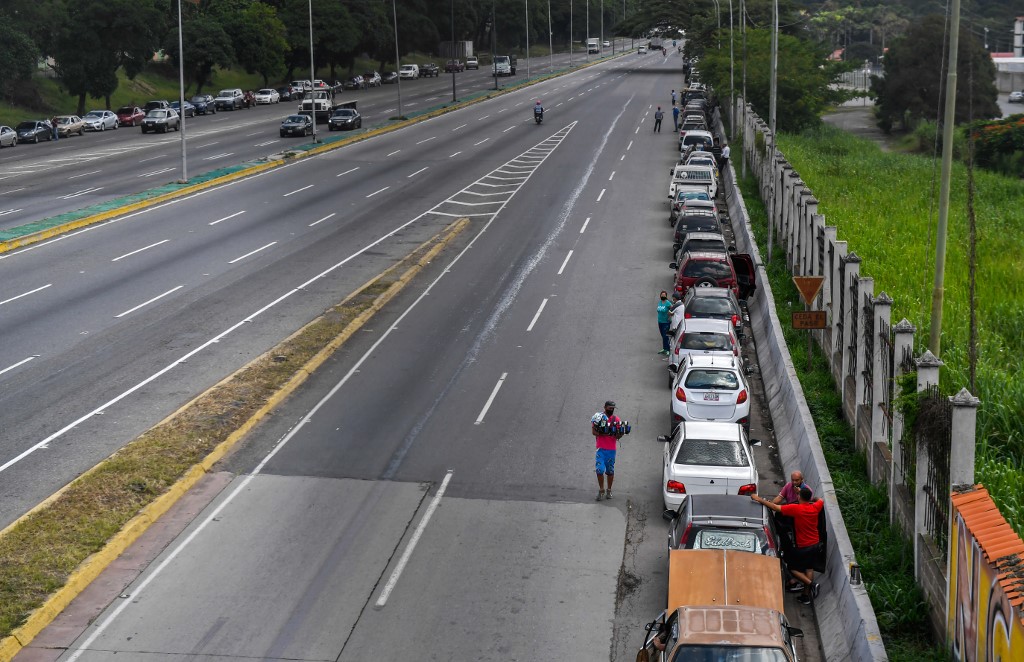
(773, 76)
(312, 71)
(602, 23)
(572, 39)
(527, 3)
(743, 33)
(494, 27)
(732, 84)
(451, 56)
(718, 14)
(398, 62)
(181, 100)
(587, 38)
(551, 42)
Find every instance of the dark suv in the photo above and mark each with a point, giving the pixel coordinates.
(722, 521)
(694, 220)
(707, 269)
(429, 69)
(716, 303)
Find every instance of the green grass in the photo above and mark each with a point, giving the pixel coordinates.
(885, 556)
(883, 205)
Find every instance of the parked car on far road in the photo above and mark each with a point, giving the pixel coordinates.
(31, 131)
(722, 521)
(100, 120)
(8, 137)
(710, 388)
(130, 115)
(371, 79)
(161, 120)
(354, 83)
(707, 458)
(153, 105)
(389, 77)
(267, 96)
(190, 110)
(429, 69)
(204, 104)
(1017, 97)
(454, 66)
(69, 125)
(409, 71)
(472, 62)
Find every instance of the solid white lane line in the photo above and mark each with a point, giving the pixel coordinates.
(298, 190)
(537, 315)
(85, 174)
(153, 158)
(156, 172)
(481, 142)
(427, 140)
(237, 213)
(601, 194)
(121, 257)
(242, 257)
(490, 400)
(562, 268)
(21, 362)
(508, 129)
(215, 142)
(394, 152)
(629, 145)
(250, 135)
(455, 154)
(156, 298)
(82, 192)
(322, 219)
(14, 190)
(480, 119)
(407, 554)
(38, 289)
(380, 191)
(611, 176)
(459, 127)
(502, 110)
(347, 171)
(218, 156)
(416, 173)
(584, 228)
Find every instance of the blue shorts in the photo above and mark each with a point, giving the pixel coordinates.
(605, 462)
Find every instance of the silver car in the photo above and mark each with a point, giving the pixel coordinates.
(100, 120)
(8, 137)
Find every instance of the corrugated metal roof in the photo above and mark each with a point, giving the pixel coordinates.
(1000, 544)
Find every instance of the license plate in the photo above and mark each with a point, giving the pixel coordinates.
(712, 397)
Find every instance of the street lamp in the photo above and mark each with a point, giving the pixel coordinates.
(398, 62)
(181, 100)
(451, 55)
(527, 4)
(551, 43)
(312, 72)
(718, 13)
(494, 70)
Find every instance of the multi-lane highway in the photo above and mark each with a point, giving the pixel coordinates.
(430, 492)
(37, 181)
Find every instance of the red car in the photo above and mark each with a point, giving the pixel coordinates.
(129, 116)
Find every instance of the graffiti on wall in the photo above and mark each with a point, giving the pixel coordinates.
(982, 624)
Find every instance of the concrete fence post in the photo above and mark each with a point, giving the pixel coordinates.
(903, 345)
(852, 269)
(964, 423)
(928, 368)
(879, 370)
(835, 308)
(808, 236)
(865, 327)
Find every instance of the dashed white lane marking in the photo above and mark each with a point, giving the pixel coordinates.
(153, 158)
(9, 211)
(585, 223)
(19, 363)
(393, 580)
(322, 219)
(416, 173)
(378, 191)
(139, 250)
(629, 145)
(455, 154)
(565, 262)
(156, 172)
(508, 129)
(14, 190)
(481, 142)
(347, 171)
(611, 176)
(80, 193)
(85, 174)
(459, 127)
(25, 294)
(394, 152)
(251, 253)
(490, 400)
(426, 140)
(537, 315)
(601, 194)
(156, 298)
(237, 213)
(298, 190)
(218, 156)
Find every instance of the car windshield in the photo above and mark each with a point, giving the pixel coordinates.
(710, 379)
(126, 110)
(199, 99)
(710, 306)
(693, 139)
(267, 92)
(744, 541)
(94, 113)
(711, 453)
(728, 654)
(26, 125)
(344, 112)
(707, 269)
(716, 245)
(706, 341)
(157, 113)
(693, 195)
(407, 67)
(295, 119)
(227, 93)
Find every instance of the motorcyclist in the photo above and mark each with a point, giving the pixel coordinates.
(538, 109)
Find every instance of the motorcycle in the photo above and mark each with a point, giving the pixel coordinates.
(538, 115)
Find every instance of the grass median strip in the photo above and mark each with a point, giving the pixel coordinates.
(52, 553)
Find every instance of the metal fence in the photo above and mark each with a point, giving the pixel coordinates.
(934, 429)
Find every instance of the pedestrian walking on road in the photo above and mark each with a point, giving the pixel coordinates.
(54, 129)
(658, 116)
(664, 321)
(801, 562)
(673, 97)
(675, 116)
(606, 445)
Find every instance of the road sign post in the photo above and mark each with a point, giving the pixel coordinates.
(809, 286)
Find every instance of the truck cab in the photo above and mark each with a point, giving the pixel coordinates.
(503, 66)
(722, 604)
(593, 46)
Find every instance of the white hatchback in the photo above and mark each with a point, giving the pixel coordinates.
(710, 388)
(707, 458)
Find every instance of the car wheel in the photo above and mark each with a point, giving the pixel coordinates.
(103, 127)
(359, 124)
(36, 141)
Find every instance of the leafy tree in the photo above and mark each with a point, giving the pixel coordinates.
(805, 79)
(18, 56)
(259, 40)
(207, 45)
(914, 82)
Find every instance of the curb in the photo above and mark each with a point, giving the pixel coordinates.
(95, 564)
(92, 219)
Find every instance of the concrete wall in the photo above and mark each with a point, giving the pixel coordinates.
(849, 630)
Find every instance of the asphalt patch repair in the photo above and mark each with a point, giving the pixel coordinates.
(50, 555)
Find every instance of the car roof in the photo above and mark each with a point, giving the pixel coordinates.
(725, 362)
(705, 325)
(706, 255)
(708, 292)
(712, 430)
(698, 212)
(704, 506)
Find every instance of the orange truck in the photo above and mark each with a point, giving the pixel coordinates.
(722, 605)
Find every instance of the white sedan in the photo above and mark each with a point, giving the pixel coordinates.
(267, 95)
(707, 458)
(100, 120)
(710, 388)
(702, 337)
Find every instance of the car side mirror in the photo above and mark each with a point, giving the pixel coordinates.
(673, 369)
(663, 437)
(794, 632)
(673, 265)
(755, 442)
